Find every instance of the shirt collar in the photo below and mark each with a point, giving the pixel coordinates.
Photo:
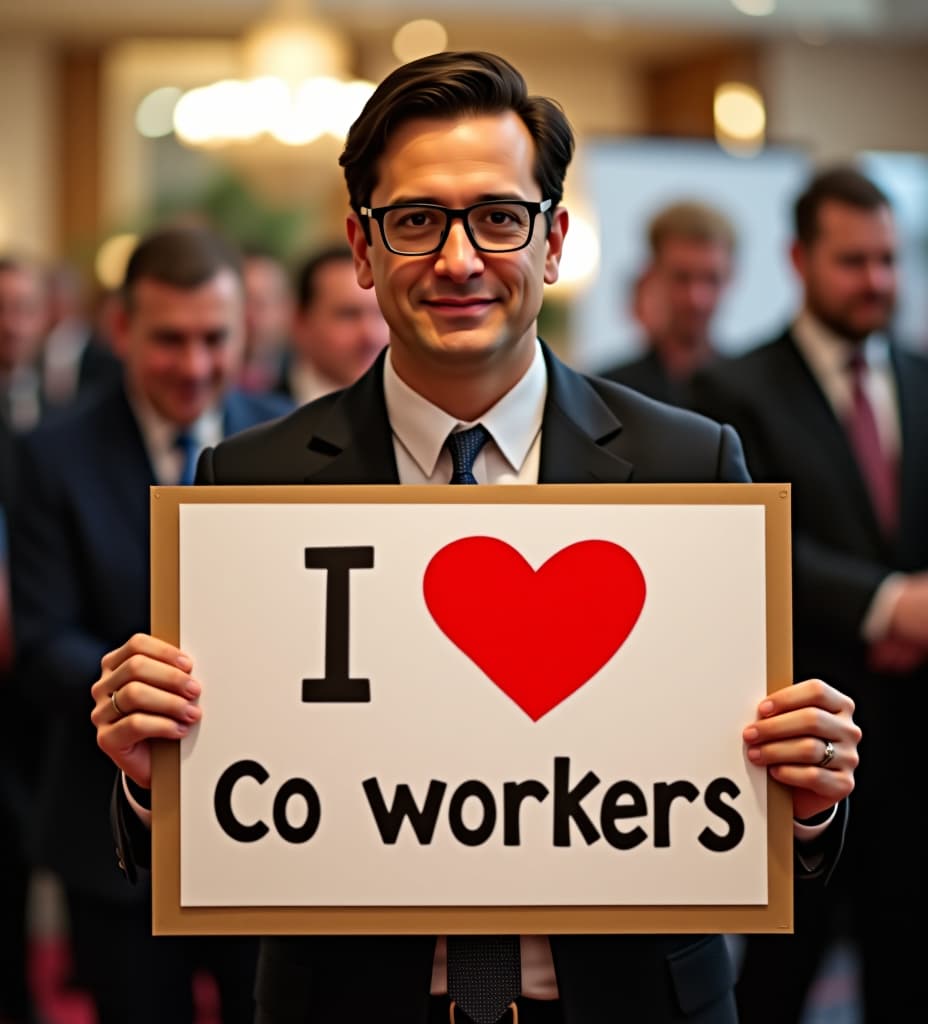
(159, 434)
(828, 353)
(513, 422)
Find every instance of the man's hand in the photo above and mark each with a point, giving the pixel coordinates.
(791, 736)
(144, 692)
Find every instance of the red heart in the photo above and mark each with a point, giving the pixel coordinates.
(538, 635)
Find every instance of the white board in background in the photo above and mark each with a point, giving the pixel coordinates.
(624, 182)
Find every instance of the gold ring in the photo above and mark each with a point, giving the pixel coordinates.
(829, 754)
(119, 711)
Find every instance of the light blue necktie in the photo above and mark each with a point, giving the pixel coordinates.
(189, 448)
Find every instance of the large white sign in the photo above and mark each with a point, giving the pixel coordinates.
(473, 704)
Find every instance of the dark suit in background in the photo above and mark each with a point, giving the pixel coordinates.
(80, 582)
(791, 434)
(592, 432)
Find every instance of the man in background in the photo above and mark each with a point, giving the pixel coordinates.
(675, 299)
(80, 574)
(268, 318)
(839, 409)
(338, 329)
(22, 331)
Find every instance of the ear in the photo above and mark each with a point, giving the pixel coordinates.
(120, 329)
(799, 258)
(359, 248)
(554, 244)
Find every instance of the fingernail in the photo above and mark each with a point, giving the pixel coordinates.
(766, 707)
(754, 753)
(750, 734)
(192, 689)
(191, 712)
(182, 730)
(183, 662)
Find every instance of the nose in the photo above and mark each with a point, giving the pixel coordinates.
(196, 362)
(458, 258)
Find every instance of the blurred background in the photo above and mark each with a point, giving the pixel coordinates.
(116, 115)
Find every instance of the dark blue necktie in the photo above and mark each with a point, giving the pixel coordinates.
(189, 448)
(484, 971)
(464, 446)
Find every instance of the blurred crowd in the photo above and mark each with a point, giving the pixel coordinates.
(100, 400)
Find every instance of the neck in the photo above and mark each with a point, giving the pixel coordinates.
(465, 388)
(684, 356)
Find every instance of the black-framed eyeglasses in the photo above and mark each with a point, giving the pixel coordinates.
(494, 225)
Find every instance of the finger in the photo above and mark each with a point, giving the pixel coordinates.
(151, 672)
(121, 738)
(150, 646)
(811, 751)
(808, 693)
(807, 722)
(138, 697)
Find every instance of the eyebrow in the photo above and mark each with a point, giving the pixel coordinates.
(486, 197)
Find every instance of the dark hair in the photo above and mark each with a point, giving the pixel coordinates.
(308, 271)
(451, 84)
(840, 184)
(183, 256)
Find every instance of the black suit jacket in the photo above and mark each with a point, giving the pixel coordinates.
(791, 434)
(80, 575)
(593, 432)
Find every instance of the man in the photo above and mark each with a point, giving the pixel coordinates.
(74, 358)
(338, 329)
(860, 570)
(22, 329)
(455, 176)
(692, 248)
(268, 316)
(81, 583)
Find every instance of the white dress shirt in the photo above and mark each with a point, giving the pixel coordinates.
(511, 456)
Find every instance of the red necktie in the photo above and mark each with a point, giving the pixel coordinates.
(878, 470)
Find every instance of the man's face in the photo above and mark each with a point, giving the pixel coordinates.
(342, 331)
(688, 279)
(22, 316)
(182, 347)
(459, 308)
(849, 269)
(268, 305)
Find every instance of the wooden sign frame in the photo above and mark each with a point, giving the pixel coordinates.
(170, 917)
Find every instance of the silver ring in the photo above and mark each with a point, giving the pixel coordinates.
(119, 711)
(829, 754)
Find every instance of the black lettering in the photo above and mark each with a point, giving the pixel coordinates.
(480, 792)
(337, 686)
(390, 819)
(623, 800)
(222, 801)
(305, 832)
(664, 795)
(567, 804)
(514, 794)
(717, 789)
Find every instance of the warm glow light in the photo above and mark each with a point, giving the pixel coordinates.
(347, 105)
(740, 118)
(755, 8)
(154, 116)
(580, 258)
(111, 259)
(294, 48)
(418, 39)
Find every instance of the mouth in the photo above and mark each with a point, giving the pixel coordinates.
(457, 305)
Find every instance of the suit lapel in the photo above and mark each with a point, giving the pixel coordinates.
(581, 437)
(353, 443)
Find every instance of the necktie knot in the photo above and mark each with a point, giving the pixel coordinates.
(189, 449)
(465, 446)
